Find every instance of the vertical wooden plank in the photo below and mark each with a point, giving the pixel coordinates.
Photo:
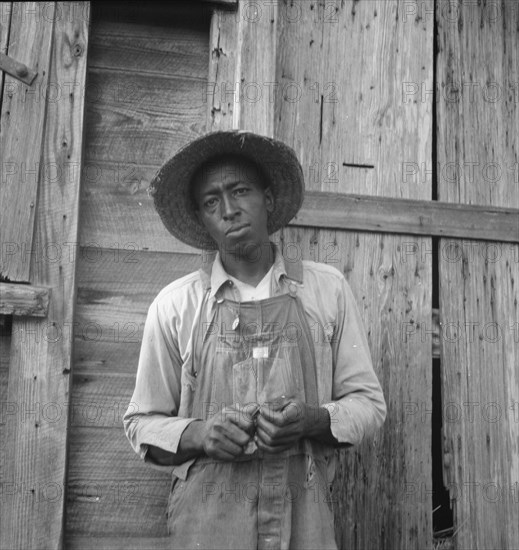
(256, 67)
(39, 374)
(242, 68)
(478, 129)
(348, 63)
(221, 87)
(21, 134)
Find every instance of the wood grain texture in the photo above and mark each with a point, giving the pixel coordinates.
(146, 98)
(5, 25)
(107, 486)
(23, 300)
(409, 216)
(21, 135)
(340, 72)
(32, 516)
(478, 129)
(113, 297)
(256, 67)
(20, 71)
(117, 542)
(221, 84)
(7, 408)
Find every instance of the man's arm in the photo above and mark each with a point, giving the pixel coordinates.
(224, 437)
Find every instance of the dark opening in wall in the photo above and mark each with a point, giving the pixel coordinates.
(442, 512)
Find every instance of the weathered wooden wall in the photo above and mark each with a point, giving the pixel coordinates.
(147, 73)
(350, 85)
(478, 154)
(41, 139)
(353, 132)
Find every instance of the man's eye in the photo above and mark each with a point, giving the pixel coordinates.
(210, 202)
(240, 190)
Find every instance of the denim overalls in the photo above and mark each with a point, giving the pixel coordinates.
(253, 352)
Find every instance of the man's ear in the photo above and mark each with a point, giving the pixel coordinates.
(269, 199)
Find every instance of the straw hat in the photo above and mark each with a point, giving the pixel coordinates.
(170, 187)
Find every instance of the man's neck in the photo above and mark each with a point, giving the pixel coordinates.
(249, 268)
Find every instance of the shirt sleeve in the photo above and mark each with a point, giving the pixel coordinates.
(358, 407)
(151, 417)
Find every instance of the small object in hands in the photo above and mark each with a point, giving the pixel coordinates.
(235, 323)
(250, 448)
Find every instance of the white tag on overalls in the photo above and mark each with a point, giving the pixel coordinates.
(260, 353)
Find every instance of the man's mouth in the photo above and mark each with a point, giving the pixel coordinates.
(236, 227)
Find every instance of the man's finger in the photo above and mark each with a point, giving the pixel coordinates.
(269, 448)
(235, 434)
(240, 416)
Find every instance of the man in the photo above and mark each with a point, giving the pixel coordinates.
(254, 368)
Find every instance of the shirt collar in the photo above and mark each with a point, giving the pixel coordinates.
(214, 274)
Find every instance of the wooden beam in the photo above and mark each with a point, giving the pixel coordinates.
(22, 116)
(39, 373)
(24, 300)
(408, 216)
(18, 70)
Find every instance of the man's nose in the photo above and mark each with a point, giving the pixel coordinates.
(229, 207)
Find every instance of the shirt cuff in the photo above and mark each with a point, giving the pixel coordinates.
(342, 424)
(169, 442)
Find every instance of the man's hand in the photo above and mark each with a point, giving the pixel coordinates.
(281, 425)
(226, 435)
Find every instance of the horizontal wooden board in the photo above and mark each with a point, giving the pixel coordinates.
(179, 50)
(113, 298)
(110, 490)
(146, 98)
(106, 284)
(115, 542)
(116, 356)
(101, 399)
(412, 217)
(16, 299)
(132, 117)
(116, 211)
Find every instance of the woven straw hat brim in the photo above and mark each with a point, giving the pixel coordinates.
(170, 187)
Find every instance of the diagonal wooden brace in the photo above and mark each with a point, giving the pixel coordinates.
(17, 69)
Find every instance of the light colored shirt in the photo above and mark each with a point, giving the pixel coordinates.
(250, 293)
(346, 382)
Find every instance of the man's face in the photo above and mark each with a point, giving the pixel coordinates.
(233, 204)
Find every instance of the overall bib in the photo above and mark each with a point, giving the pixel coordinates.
(254, 352)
